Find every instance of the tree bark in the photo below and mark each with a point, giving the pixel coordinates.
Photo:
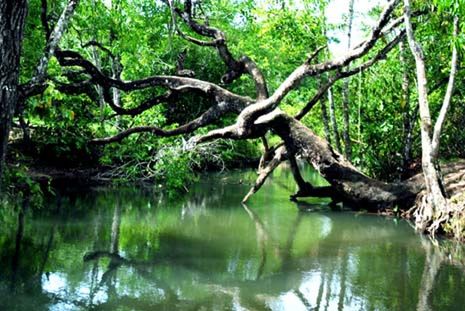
(12, 17)
(448, 96)
(12, 20)
(347, 183)
(54, 40)
(435, 203)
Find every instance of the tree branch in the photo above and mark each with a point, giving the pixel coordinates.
(315, 53)
(447, 97)
(251, 113)
(53, 41)
(208, 117)
(36, 84)
(235, 67)
(344, 74)
(174, 83)
(100, 46)
(280, 154)
(144, 106)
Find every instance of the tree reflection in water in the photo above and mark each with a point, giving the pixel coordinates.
(116, 250)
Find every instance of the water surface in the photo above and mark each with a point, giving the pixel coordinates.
(129, 249)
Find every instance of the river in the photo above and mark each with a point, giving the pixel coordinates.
(132, 249)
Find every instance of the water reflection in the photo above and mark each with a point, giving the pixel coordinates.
(126, 249)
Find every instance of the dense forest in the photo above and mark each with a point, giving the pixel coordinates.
(155, 92)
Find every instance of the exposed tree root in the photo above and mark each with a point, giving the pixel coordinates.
(450, 219)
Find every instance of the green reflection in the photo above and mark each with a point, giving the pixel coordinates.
(129, 249)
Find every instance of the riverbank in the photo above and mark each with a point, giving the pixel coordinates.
(452, 226)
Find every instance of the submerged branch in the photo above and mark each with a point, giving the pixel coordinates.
(280, 154)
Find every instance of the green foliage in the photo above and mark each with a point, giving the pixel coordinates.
(277, 35)
(174, 168)
(22, 187)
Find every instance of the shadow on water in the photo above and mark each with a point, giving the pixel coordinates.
(127, 249)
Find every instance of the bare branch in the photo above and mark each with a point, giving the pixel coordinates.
(208, 117)
(144, 106)
(247, 117)
(395, 23)
(259, 128)
(447, 97)
(343, 74)
(226, 101)
(53, 41)
(235, 67)
(36, 85)
(76, 88)
(100, 46)
(235, 131)
(315, 53)
(174, 83)
(279, 156)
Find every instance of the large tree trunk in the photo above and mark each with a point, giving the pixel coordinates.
(12, 16)
(347, 183)
(435, 206)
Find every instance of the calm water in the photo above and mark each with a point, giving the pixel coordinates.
(126, 249)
